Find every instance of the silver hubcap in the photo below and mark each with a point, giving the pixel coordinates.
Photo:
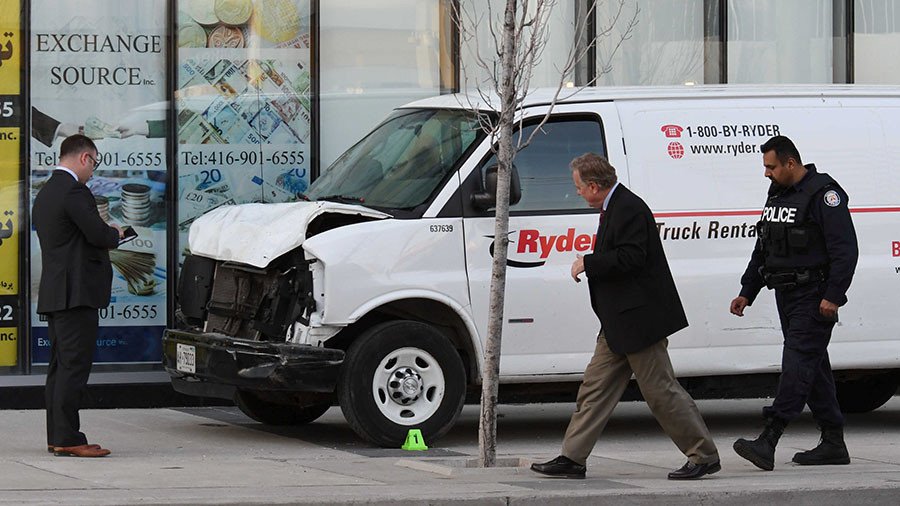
(408, 386)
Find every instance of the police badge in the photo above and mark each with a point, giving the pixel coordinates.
(832, 199)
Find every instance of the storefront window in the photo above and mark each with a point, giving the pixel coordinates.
(665, 46)
(773, 41)
(374, 57)
(876, 41)
(480, 18)
(98, 67)
(242, 103)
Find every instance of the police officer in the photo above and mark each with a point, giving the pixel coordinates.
(806, 251)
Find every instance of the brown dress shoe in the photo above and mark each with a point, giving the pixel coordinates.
(50, 448)
(80, 451)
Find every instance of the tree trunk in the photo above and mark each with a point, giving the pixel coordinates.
(487, 427)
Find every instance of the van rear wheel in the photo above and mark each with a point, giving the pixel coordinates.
(865, 394)
(282, 408)
(401, 375)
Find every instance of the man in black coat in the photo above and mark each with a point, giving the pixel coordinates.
(75, 282)
(634, 296)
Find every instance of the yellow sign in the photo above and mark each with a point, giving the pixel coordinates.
(10, 181)
(10, 44)
(8, 347)
(9, 211)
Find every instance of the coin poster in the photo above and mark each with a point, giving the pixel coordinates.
(98, 68)
(242, 104)
(10, 181)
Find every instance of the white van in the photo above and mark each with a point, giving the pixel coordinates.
(374, 292)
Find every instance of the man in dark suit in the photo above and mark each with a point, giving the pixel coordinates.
(634, 296)
(75, 282)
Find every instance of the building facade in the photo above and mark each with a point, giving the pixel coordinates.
(196, 104)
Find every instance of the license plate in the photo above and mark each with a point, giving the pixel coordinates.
(186, 358)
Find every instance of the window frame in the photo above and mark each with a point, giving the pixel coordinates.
(473, 182)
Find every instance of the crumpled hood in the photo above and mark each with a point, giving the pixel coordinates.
(256, 234)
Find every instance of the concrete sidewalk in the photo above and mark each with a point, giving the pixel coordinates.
(218, 456)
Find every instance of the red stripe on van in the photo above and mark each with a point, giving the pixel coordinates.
(694, 214)
(697, 214)
(875, 210)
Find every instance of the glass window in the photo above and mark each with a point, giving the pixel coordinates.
(543, 165)
(373, 57)
(773, 41)
(876, 41)
(480, 18)
(98, 67)
(402, 162)
(242, 102)
(666, 46)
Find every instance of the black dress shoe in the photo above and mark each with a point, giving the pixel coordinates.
(691, 471)
(561, 466)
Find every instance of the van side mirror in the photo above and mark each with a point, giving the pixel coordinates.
(487, 198)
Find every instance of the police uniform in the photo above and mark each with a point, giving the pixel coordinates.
(806, 251)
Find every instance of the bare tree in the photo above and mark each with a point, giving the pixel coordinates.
(519, 39)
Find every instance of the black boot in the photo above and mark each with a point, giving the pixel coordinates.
(761, 451)
(831, 450)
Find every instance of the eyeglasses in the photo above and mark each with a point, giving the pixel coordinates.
(95, 160)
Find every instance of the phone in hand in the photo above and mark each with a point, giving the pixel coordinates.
(128, 233)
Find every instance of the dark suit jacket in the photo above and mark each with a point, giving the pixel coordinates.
(43, 127)
(631, 286)
(74, 241)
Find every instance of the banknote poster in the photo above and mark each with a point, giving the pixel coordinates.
(243, 104)
(10, 180)
(98, 67)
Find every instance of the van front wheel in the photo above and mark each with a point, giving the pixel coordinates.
(401, 375)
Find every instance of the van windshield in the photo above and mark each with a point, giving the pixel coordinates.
(400, 164)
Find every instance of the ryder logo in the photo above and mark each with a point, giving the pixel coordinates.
(510, 262)
(531, 242)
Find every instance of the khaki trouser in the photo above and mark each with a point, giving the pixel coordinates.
(605, 379)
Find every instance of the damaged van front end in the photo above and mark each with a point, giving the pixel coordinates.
(248, 312)
(358, 294)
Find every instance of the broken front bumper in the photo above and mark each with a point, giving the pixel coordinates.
(215, 365)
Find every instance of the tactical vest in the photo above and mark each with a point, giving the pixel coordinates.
(789, 237)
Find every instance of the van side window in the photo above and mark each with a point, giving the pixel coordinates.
(543, 165)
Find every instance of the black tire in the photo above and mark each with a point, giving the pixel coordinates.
(423, 359)
(866, 394)
(278, 408)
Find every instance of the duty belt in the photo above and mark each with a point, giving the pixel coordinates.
(789, 279)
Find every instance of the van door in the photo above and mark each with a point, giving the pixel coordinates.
(548, 324)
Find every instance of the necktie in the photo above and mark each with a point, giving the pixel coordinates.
(600, 225)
